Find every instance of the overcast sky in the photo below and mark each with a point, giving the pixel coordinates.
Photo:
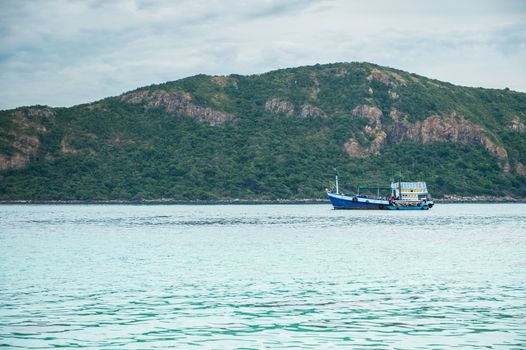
(64, 52)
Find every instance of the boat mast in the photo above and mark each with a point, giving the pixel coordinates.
(400, 186)
(337, 190)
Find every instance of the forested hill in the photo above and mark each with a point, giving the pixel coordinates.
(268, 136)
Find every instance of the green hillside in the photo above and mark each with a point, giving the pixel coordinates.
(269, 136)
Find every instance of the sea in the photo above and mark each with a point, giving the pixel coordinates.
(262, 277)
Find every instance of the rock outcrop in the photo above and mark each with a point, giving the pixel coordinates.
(311, 111)
(373, 114)
(516, 125)
(23, 140)
(178, 103)
(386, 77)
(452, 128)
(378, 75)
(282, 106)
(373, 132)
(354, 149)
(435, 128)
(279, 106)
(25, 147)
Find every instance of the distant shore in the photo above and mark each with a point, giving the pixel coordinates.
(446, 199)
(479, 199)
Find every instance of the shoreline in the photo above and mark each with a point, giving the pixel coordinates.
(449, 199)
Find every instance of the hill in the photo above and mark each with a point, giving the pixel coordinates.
(268, 136)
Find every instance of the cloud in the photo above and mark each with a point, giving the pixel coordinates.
(64, 52)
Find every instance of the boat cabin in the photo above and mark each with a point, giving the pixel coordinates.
(409, 191)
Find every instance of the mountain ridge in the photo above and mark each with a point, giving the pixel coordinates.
(265, 136)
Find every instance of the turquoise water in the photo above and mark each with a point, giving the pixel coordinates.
(262, 276)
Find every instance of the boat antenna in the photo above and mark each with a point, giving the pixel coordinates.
(337, 189)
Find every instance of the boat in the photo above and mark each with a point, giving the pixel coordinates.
(403, 196)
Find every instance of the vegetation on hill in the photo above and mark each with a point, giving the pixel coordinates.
(276, 135)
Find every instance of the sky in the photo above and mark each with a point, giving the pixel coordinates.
(64, 52)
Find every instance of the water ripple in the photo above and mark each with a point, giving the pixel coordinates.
(252, 277)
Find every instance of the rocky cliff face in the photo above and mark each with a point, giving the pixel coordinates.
(308, 110)
(279, 106)
(373, 132)
(283, 106)
(23, 139)
(451, 128)
(177, 103)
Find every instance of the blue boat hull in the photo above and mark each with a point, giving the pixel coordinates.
(356, 203)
